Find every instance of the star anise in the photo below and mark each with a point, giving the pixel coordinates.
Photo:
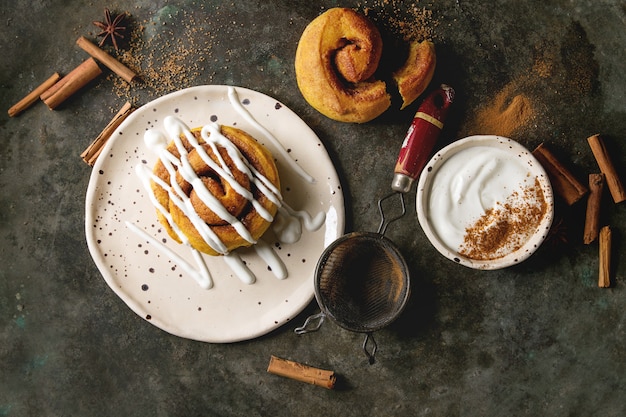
(111, 28)
(557, 235)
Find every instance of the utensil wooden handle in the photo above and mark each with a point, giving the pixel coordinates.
(421, 137)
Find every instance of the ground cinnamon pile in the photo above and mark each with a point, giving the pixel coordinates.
(564, 71)
(509, 112)
(506, 228)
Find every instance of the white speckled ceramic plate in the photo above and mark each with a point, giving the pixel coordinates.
(150, 282)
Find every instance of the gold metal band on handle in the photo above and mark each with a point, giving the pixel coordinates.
(430, 119)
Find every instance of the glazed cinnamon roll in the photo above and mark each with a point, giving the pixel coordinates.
(220, 188)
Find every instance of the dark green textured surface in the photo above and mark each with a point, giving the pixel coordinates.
(537, 339)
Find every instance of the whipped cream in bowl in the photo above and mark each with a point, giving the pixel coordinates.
(485, 202)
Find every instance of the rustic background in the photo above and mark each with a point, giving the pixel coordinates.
(537, 339)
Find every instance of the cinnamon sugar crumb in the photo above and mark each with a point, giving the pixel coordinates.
(402, 18)
(503, 230)
(164, 62)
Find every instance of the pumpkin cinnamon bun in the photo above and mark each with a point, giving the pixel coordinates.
(335, 62)
(220, 187)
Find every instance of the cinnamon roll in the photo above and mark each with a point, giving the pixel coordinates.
(219, 186)
(336, 59)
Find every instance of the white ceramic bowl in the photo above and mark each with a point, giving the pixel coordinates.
(485, 202)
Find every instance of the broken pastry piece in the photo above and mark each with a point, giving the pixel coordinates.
(417, 72)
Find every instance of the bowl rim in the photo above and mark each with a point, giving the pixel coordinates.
(423, 191)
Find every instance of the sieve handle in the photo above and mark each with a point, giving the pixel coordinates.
(370, 347)
(311, 324)
(421, 137)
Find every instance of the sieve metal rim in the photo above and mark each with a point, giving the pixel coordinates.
(380, 240)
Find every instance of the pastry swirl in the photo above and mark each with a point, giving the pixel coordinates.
(336, 58)
(225, 186)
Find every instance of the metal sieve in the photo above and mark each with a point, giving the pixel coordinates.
(362, 282)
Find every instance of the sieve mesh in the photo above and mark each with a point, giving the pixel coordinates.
(362, 282)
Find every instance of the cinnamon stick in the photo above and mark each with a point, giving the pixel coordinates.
(113, 64)
(301, 372)
(563, 181)
(28, 101)
(92, 152)
(592, 216)
(71, 83)
(604, 273)
(608, 169)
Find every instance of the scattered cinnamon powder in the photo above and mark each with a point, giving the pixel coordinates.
(509, 112)
(563, 70)
(543, 68)
(166, 57)
(403, 18)
(505, 229)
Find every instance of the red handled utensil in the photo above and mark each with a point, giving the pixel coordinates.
(361, 280)
(417, 147)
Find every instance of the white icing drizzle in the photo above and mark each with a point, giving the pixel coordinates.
(156, 141)
(270, 257)
(175, 127)
(240, 268)
(145, 175)
(287, 226)
(202, 277)
(234, 101)
(288, 222)
(310, 223)
(211, 135)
